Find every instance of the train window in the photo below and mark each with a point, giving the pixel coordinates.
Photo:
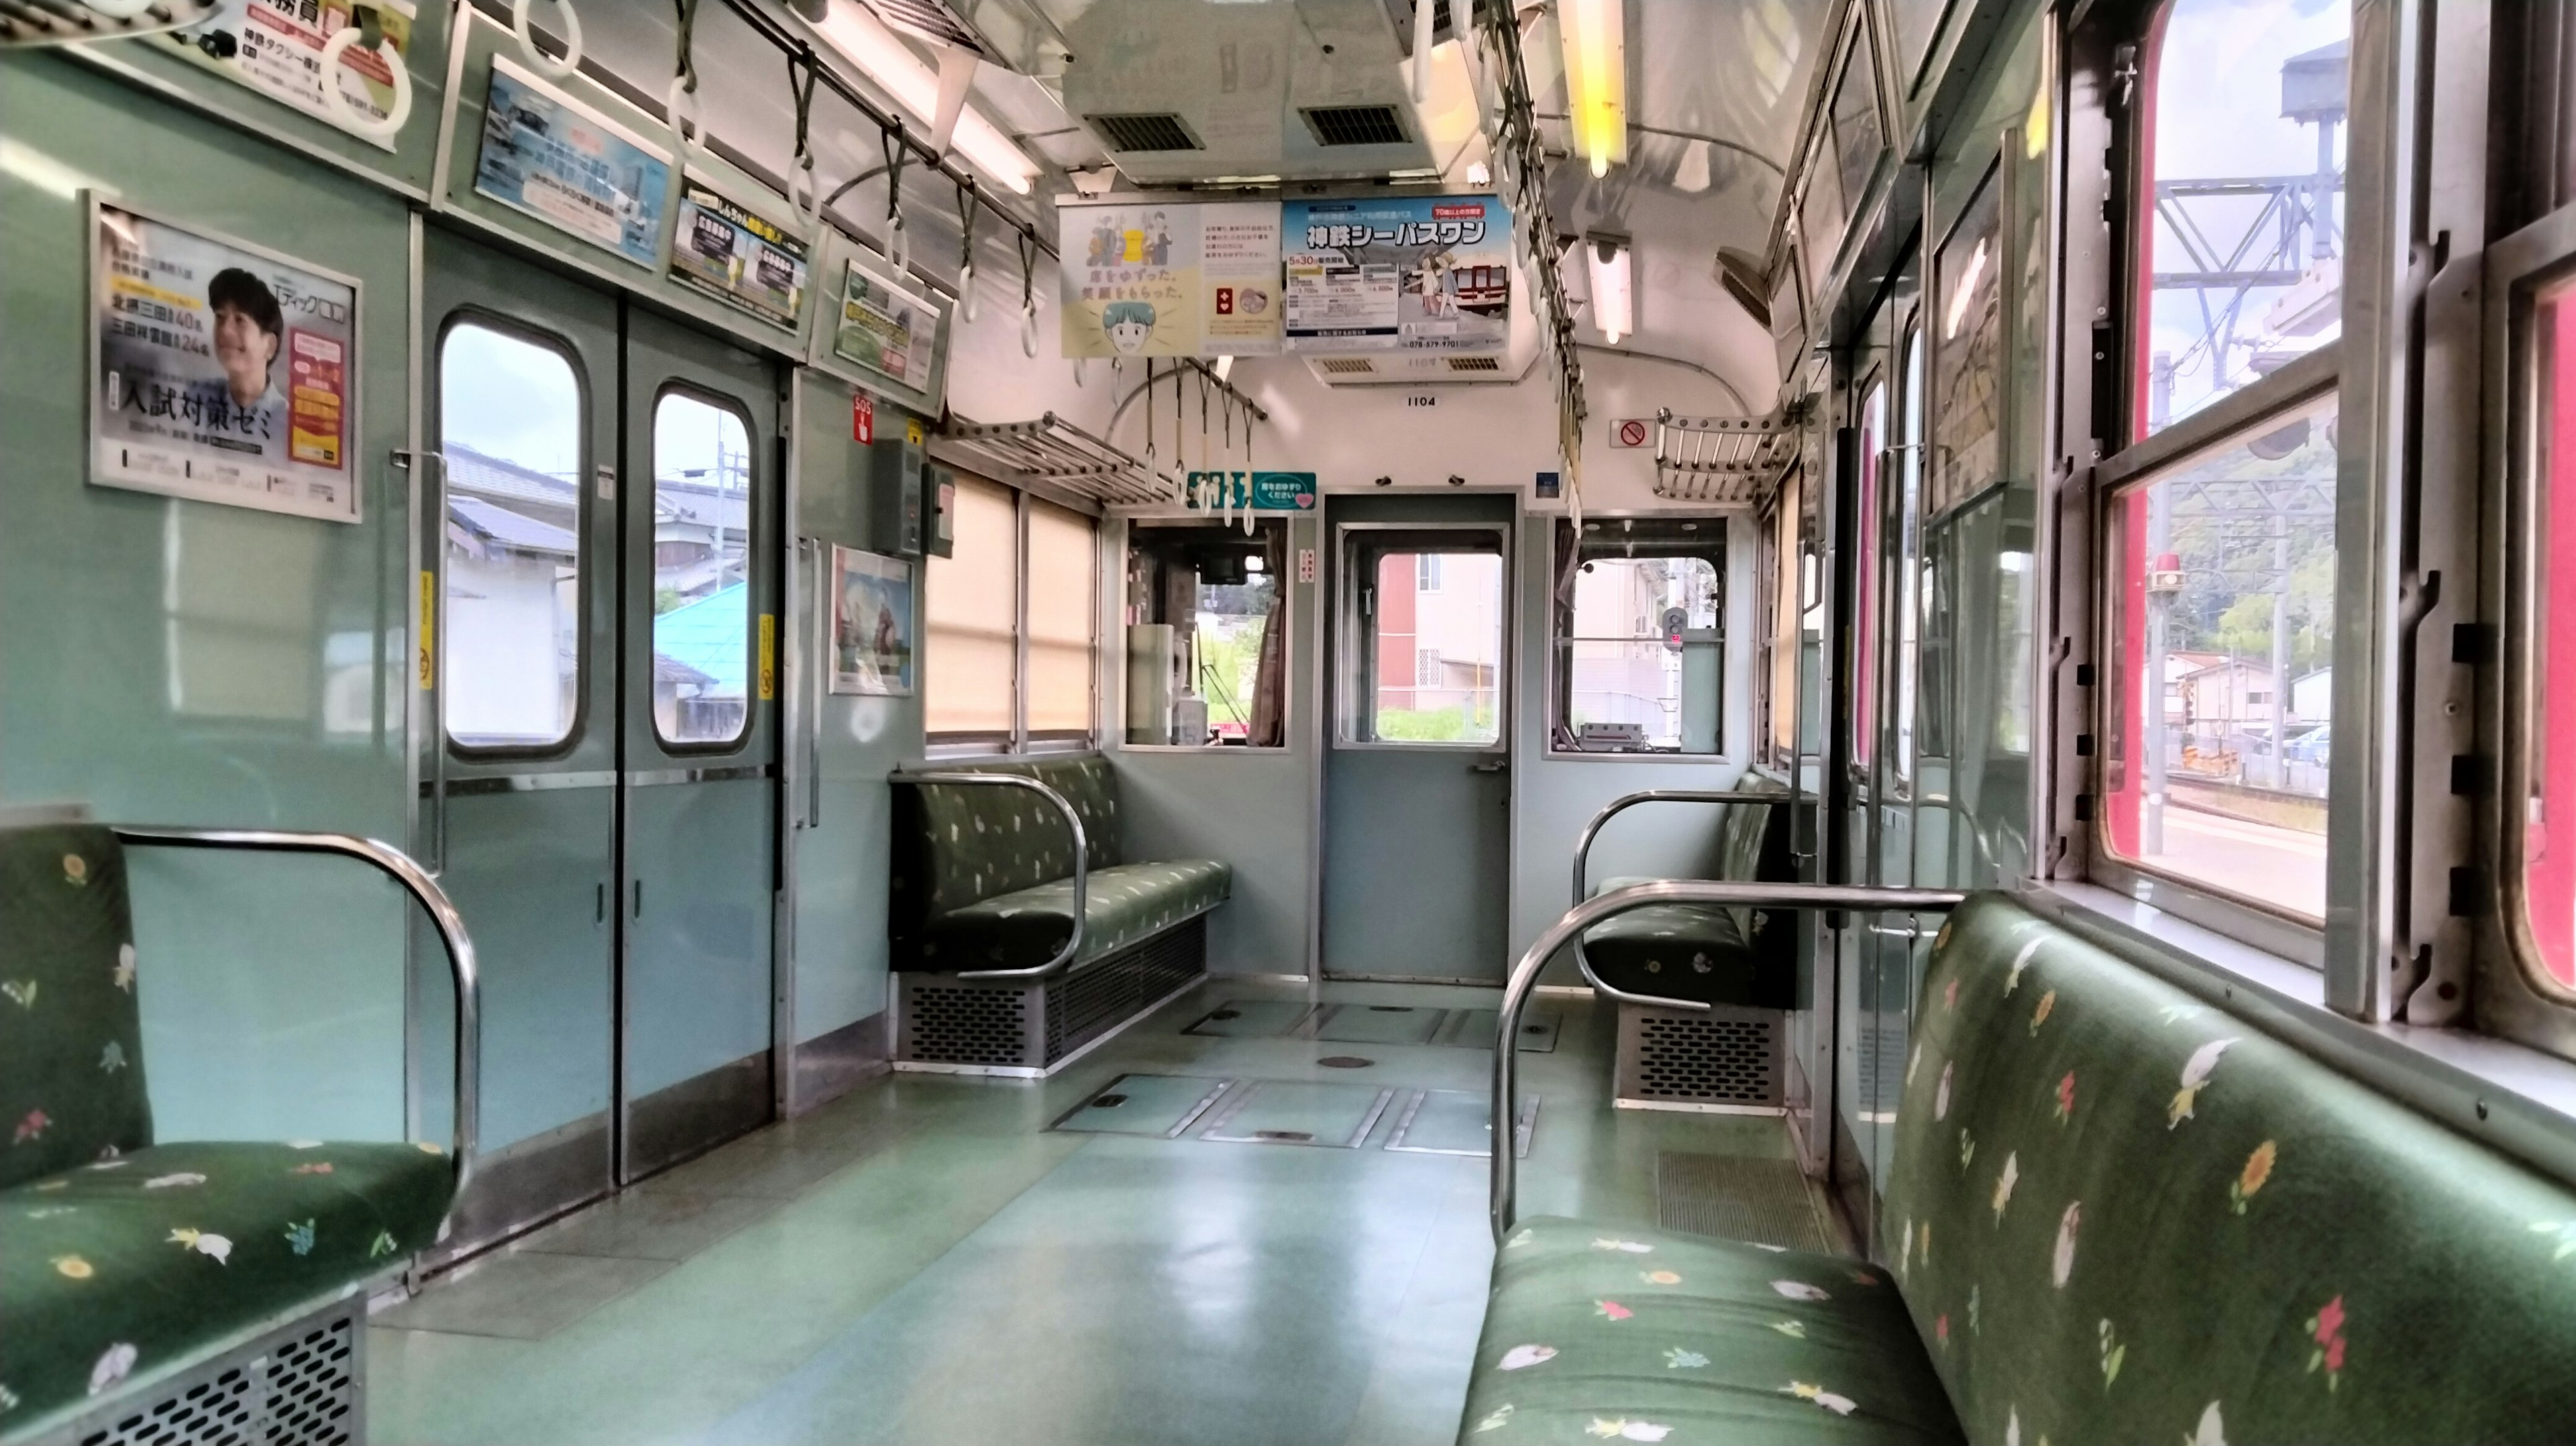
(1908, 558)
(1063, 569)
(701, 572)
(2222, 634)
(971, 613)
(2241, 204)
(1873, 437)
(1426, 614)
(1206, 634)
(2547, 888)
(1640, 636)
(1782, 696)
(510, 430)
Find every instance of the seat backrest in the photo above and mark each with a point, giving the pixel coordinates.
(956, 846)
(2119, 1213)
(71, 1036)
(1753, 847)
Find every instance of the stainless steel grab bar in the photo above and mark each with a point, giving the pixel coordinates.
(1505, 1101)
(1081, 863)
(416, 881)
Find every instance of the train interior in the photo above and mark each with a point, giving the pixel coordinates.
(1286, 722)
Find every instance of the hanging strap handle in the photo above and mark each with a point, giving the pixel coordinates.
(803, 69)
(968, 200)
(897, 149)
(688, 132)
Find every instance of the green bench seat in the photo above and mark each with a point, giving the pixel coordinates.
(1703, 953)
(983, 876)
(119, 1256)
(2115, 1212)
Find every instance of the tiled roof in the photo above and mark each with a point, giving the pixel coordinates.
(499, 524)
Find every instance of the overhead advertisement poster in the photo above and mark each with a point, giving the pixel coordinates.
(737, 255)
(275, 47)
(1130, 280)
(1239, 306)
(219, 371)
(558, 160)
(885, 329)
(1423, 273)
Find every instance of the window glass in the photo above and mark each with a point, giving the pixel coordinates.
(2549, 803)
(1450, 634)
(1783, 693)
(1858, 133)
(510, 428)
(1206, 647)
(2223, 637)
(1908, 556)
(701, 572)
(1640, 643)
(1873, 436)
(971, 611)
(1064, 580)
(2242, 251)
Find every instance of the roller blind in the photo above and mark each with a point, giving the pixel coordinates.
(1064, 560)
(973, 604)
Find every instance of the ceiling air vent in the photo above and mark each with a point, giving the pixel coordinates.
(1158, 131)
(1347, 366)
(1354, 125)
(1474, 364)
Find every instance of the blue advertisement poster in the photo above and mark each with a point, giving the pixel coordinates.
(1416, 273)
(554, 158)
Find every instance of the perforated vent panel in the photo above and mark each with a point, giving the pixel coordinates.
(1150, 132)
(1079, 1009)
(1729, 1057)
(957, 1024)
(296, 1388)
(1355, 125)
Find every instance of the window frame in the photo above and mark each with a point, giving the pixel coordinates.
(1020, 740)
(583, 521)
(1287, 585)
(1354, 684)
(752, 519)
(1558, 679)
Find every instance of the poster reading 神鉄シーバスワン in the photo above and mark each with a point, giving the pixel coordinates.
(1418, 273)
(219, 372)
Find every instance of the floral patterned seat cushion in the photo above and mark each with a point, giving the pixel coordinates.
(71, 1034)
(1622, 1336)
(123, 1265)
(2119, 1213)
(1121, 905)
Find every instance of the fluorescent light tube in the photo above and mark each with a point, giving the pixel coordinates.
(883, 57)
(1614, 307)
(1593, 34)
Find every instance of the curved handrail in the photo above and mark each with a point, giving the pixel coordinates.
(1505, 1101)
(1081, 863)
(1583, 855)
(416, 881)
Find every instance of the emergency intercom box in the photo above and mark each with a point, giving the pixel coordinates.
(898, 511)
(939, 526)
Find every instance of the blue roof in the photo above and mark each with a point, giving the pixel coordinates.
(712, 635)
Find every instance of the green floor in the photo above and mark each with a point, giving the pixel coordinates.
(926, 1261)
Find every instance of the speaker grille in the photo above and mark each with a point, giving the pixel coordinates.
(1729, 1057)
(298, 1388)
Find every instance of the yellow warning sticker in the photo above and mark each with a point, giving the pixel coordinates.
(768, 656)
(912, 431)
(428, 620)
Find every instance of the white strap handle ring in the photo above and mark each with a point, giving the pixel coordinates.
(688, 132)
(552, 69)
(804, 193)
(1029, 329)
(336, 100)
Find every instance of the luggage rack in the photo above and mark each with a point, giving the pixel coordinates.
(1053, 453)
(1722, 459)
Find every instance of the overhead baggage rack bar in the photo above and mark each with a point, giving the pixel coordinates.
(1722, 459)
(1054, 452)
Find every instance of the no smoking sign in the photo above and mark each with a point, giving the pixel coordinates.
(1631, 432)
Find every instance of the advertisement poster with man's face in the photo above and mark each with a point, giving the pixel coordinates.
(221, 373)
(1130, 280)
(1417, 273)
(275, 47)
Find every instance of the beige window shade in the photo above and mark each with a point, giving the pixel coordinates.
(1064, 560)
(973, 605)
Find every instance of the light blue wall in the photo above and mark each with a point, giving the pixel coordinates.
(176, 662)
(1253, 808)
(841, 858)
(1558, 795)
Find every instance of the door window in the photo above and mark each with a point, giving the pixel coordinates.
(510, 432)
(1429, 608)
(701, 572)
(1640, 639)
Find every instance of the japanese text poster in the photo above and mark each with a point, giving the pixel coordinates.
(565, 164)
(1422, 273)
(219, 372)
(735, 254)
(1130, 280)
(885, 329)
(275, 47)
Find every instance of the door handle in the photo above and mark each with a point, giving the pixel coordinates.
(1492, 765)
(639, 899)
